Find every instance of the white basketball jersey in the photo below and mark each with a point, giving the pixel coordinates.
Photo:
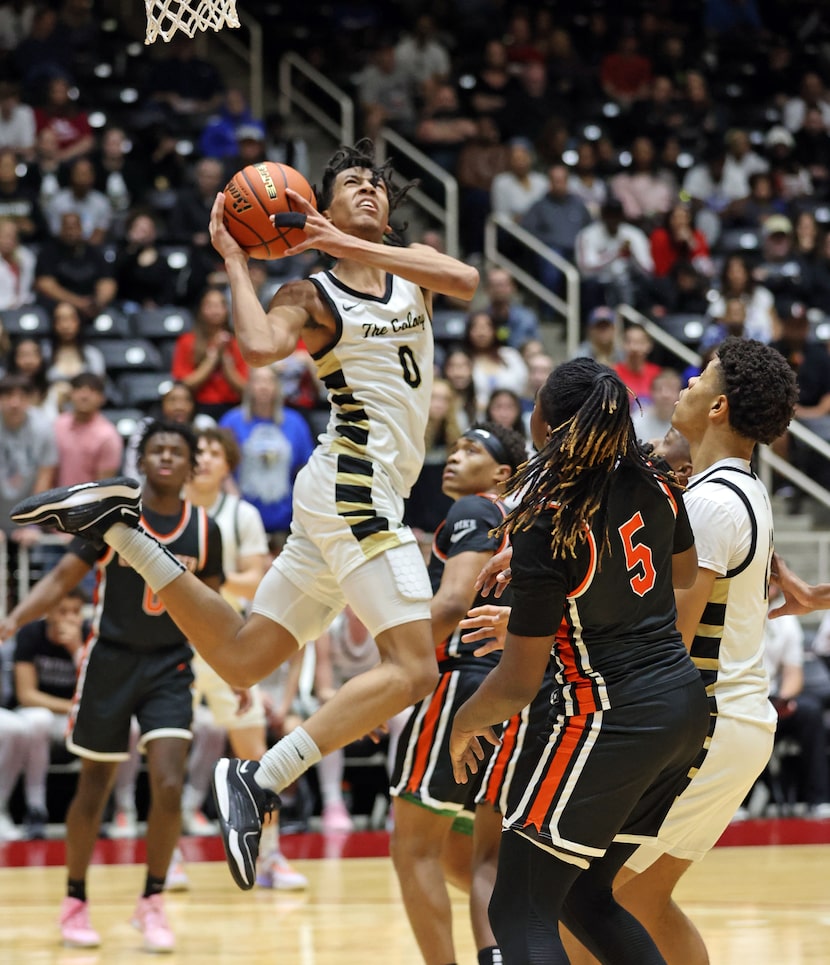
(731, 518)
(378, 374)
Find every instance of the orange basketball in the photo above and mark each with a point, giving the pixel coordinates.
(256, 193)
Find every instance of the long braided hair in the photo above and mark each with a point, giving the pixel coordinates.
(586, 406)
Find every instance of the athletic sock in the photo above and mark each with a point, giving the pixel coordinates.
(146, 556)
(490, 956)
(76, 889)
(287, 760)
(153, 886)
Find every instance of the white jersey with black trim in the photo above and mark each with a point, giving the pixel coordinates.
(731, 518)
(378, 372)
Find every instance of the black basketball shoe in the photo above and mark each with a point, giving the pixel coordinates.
(241, 805)
(87, 510)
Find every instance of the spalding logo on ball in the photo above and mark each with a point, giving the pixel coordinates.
(256, 193)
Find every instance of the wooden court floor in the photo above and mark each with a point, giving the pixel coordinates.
(754, 905)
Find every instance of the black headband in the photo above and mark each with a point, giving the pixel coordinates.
(492, 444)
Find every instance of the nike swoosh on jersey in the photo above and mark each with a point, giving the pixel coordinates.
(348, 308)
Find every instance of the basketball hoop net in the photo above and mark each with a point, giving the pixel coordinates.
(165, 17)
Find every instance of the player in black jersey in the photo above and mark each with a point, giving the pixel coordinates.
(434, 834)
(137, 662)
(599, 539)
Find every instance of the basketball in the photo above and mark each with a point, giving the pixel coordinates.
(254, 194)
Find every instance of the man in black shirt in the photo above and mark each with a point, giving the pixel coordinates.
(137, 662)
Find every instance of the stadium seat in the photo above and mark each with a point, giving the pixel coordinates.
(110, 324)
(128, 354)
(164, 322)
(740, 240)
(686, 328)
(142, 389)
(30, 320)
(449, 325)
(124, 420)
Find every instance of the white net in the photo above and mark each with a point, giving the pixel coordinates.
(165, 17)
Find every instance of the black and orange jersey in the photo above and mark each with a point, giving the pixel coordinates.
(466, 529)
(126, 611)
(612, 612)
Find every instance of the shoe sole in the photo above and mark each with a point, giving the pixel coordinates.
(35, 512)
(242, 870)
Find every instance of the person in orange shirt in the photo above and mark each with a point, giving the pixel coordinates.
(635, 369)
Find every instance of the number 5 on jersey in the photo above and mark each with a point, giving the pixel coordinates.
(637, 556)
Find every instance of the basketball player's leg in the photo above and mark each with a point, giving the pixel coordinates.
(485, 861)
(166, 763)
(83, 818)
(417, 847)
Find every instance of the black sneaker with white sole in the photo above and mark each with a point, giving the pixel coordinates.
(87, 509)
(241, 805)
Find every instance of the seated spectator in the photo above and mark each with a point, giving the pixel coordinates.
(658, 116)
(142, 274)
(275, 443)
(812, 149)
(443, 127)
(17, 122)
(504, 407)
(71, 125)
(646, 192)
(800, 714)
(737, 281)
(17, 268)
(635, 369)
(480, 160)
(812, 94)
(185, 84)
(69, 355)
(89, 445)
(614, 259)
(70, 269)
(684, 290)
(457, 370)
(516, 322)
(219, 138)
(678, 240)
(625, 76)
(654, 421)
(27, 359)
(740, 156)
(30, 458)
(539, 367)
(495, 364)
(92, 207)
(782, 271)
(491, 81)
(761, 203)
(189, 218)
(514, 191)
(704, 120)
(601, 341)
(18, 202)
(422, 56)
(732, 321)
(42, 53)
(790, 179)
(301, 388)
(44, 172)
(250, 149)
(584, 182)
(284, 147)
(15, 742)
(713, 189)
(207, 358)
(120, 173)
(386, 94)
(47, 657)
(528, 102)
(556, 220)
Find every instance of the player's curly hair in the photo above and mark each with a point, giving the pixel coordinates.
(587, 408)
(362, 155)
(759, 386)
(158, 426)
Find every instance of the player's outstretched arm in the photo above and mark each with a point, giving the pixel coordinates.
(799, 597)
(420, 264)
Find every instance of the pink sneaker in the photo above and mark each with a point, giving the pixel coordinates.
(336, 819)
(273, 871)
(150, 920)
(76, 932)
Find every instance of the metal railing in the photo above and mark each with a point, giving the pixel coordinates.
(769, 462)
(251, 52)
(446, 214)
(21, 579)
(567, 306)
(340, 123)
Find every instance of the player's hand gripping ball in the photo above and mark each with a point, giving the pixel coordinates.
(256, 193)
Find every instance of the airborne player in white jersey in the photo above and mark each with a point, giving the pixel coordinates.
(366, 323)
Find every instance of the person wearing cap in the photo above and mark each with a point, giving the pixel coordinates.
(250, 149)
(811, 93)
(601, 343)
(790, 178)
(434, 840)
(613, 257)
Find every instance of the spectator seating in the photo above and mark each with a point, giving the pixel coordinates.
(129, 355)
(142, 389)
(30, 320)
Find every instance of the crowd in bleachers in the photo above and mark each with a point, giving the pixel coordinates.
(677, 153)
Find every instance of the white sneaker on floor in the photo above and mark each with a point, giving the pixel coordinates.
(274, 871)
(176, 878)
(9, 831)
(124, 825)
(150, 920)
